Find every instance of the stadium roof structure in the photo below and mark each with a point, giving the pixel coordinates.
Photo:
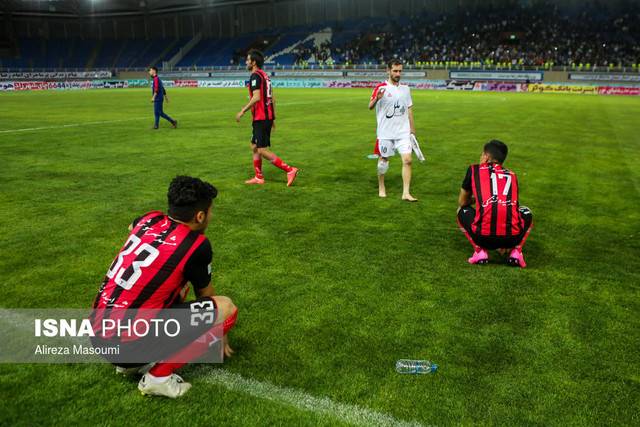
(109, 8)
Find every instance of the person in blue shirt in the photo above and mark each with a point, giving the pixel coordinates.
(158, 97)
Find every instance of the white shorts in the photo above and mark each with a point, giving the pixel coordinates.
(388, 147)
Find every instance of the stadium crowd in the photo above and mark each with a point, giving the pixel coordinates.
(523, 35)
(320, 54)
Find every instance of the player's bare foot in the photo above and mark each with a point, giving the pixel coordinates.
(254, 180)
(409, 198)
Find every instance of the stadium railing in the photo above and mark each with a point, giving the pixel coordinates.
(497, 67)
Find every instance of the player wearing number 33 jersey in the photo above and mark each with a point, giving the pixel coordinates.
(162, 254)
(497, 221)
(154, 265)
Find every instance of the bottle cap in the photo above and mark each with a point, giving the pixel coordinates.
(434, 367)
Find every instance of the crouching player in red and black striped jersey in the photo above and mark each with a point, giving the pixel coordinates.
(261, 104)
(498, 221)
(161, 256)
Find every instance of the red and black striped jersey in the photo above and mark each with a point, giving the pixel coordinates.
(263, 109)
(154, 265)
(495, 191)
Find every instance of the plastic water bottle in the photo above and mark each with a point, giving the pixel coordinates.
(405, 366)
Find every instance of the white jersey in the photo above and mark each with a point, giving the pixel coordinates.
(392, 111)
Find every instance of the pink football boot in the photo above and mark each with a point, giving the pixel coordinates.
(479, 257)
(516, 259)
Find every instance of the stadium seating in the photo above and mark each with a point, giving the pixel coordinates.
(218, 52)
(104, 54)
(525, 36)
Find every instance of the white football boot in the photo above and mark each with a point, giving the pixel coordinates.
(173, 387)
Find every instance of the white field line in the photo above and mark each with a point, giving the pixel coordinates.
(131, 119)
(352, 414)
(71, 125)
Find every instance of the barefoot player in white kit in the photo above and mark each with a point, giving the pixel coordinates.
(394, 113)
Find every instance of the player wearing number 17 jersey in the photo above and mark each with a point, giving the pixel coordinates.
(498, 221)
(162, 254)
(262, 108)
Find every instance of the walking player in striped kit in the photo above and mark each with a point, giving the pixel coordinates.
(498, 221)
(261, 105)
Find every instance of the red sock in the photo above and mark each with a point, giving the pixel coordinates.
(191, 352)
(230, 322)
(524, 239)
(165, 369)
(476, 248)
(257, 166)
(277, 162)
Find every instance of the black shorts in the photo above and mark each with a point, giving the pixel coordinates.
(466, 216)
(262, 133)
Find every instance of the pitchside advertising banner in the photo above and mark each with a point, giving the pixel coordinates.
(382, 75)
(139, 83)
(500, 76)
(183, 75)
(302, 74)
(618, 90)
(481, 86)
(229, 75)
(55, 75)
(500, 87)
(117, 336)
(624, 78)
(298, 83)
(221, 83)
(185, 83)
(560, 88)
(370, 84)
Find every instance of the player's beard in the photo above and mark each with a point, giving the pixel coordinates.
(395, 79)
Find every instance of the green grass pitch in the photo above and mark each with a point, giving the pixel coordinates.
(334, 284)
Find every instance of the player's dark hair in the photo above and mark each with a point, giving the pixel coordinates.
(497, 150)
(187, 196)
(393, 62)
(154, 69)
(257, 56)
